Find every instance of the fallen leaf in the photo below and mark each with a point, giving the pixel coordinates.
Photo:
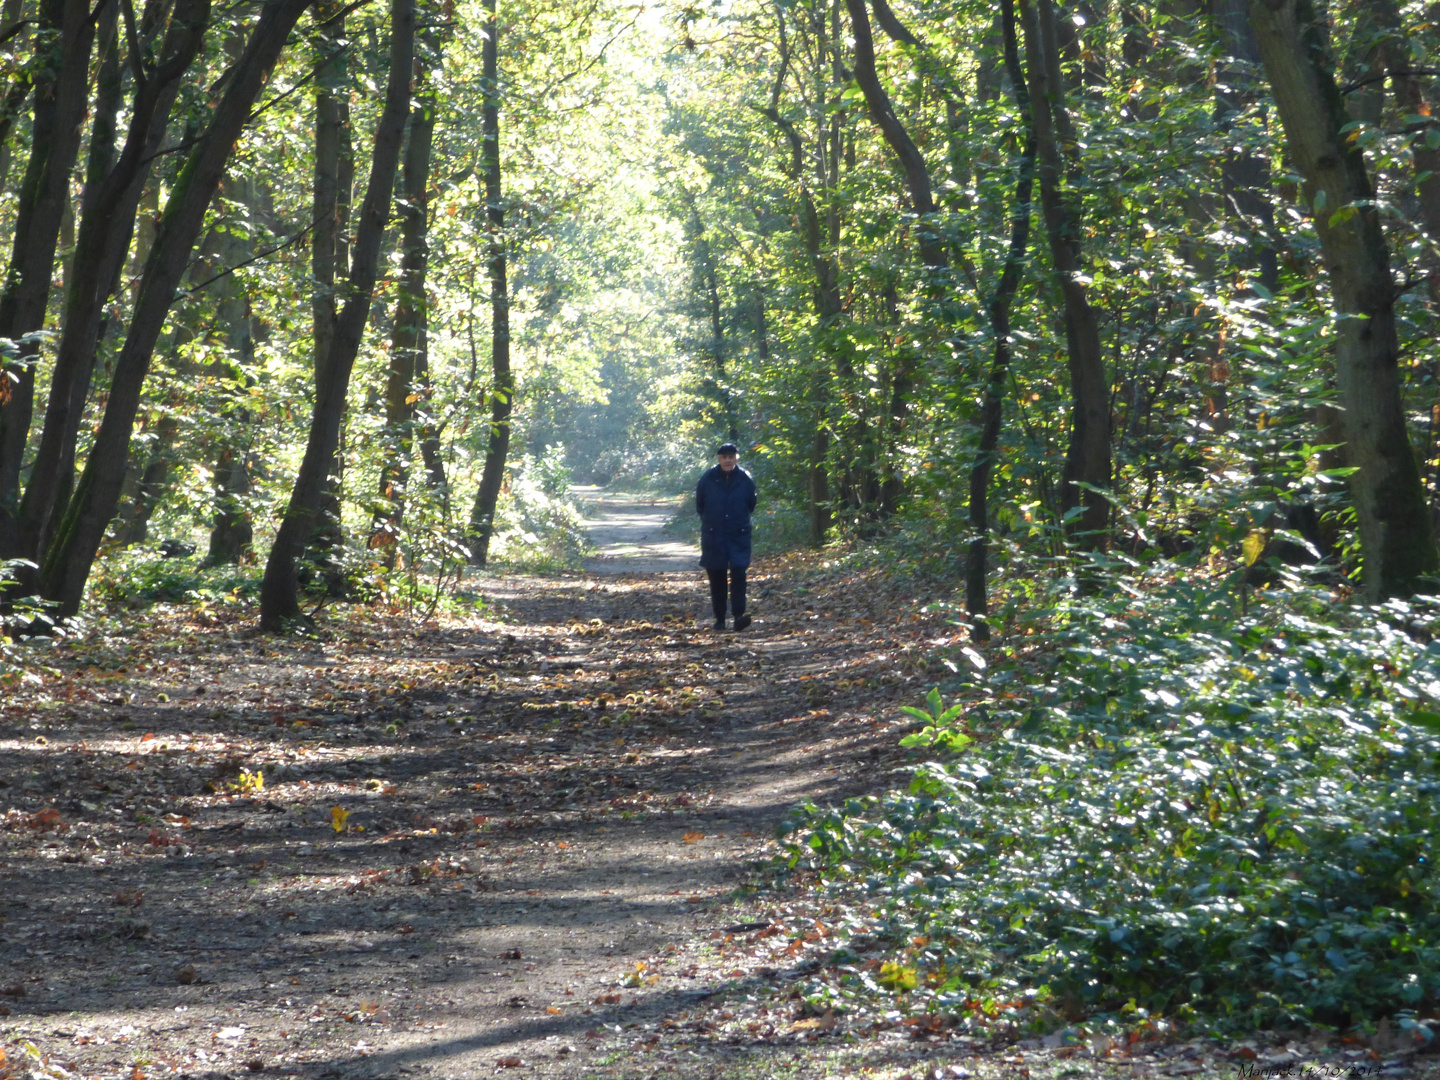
(15, 990)
(509, 1063)
(693, 837)
(338, 817)
(816, 1023)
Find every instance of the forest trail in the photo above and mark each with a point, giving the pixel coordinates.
(504, 842)
(628, 534)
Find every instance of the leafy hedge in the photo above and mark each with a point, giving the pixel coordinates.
(1183, 812)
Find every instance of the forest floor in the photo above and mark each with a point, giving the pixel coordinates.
(529, 842)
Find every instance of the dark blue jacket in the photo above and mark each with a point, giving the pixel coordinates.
(724, 509)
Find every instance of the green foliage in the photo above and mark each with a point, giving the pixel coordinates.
(538, 525)
(1235, 819)
(17, 663)
(136, 578)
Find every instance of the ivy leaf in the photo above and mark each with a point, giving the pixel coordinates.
(1253, 546)
(898, 977)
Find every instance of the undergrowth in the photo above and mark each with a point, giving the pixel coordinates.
(1146, 805)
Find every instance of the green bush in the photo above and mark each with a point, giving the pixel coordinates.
(137, 577)
(538, 526)
(1179, 811)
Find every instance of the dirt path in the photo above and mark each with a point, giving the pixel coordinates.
(629, 536)
(545, 812)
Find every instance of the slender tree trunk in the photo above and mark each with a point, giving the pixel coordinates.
(77, 539)
(976, 566)
(1087, 460)
(405, 385)
(232, 534)
(715, 308)
(12, 99)
(279, 591)
(132, 523)
(502, 388)
(825, 290)
(329, 254)
(912, 162)
(112, 193)
(1395, 529)
(61, 98)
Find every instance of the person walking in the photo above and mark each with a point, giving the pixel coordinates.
(725, 499)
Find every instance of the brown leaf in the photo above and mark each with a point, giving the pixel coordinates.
(816, 1023)
(186, 974)
(693, 837)
(49, 818)
(509, 1063)
(15, 990)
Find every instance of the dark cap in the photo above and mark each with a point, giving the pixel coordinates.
(728, 448)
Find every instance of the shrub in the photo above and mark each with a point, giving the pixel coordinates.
(1176, 810)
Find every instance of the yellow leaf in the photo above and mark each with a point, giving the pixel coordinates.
(411, 399)
(1253, 546)
(338, 817)
(897, 977)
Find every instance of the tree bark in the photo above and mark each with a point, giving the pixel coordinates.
(61, 98)
(502, 388)
(1087, 459)
(279, 591)
(992, 412)
(1395, 530)
(77, 539)
(329, 253)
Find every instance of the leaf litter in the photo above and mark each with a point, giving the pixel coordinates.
(225, 853)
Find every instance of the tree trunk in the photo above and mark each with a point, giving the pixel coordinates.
(77, 539)
(1395, 528)
(825, 288)
(279, 592)
(61, 98)
(502, 390)
(112, 193)
(976, 566)
(132, 524)
(329, 254)
(232, 533)
(18, 88)
(912, 162)
(1087, 460)
(405, 385)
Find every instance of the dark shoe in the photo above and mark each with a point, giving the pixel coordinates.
(742, 621)
(719, 624)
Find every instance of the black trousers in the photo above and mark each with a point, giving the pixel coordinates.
(737, 591)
